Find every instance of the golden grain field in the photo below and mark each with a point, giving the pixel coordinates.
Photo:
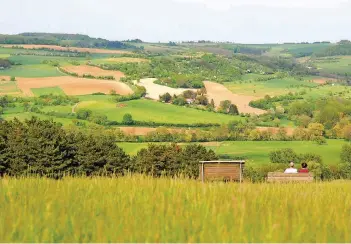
(142, 209)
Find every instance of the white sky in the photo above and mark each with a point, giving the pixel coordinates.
(246, 21)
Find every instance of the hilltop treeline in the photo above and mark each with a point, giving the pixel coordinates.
(44, 148)
(67, 40)
(342, 48)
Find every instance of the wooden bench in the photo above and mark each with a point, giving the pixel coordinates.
(282, 177)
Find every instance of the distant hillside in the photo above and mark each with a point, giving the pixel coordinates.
(69, 40)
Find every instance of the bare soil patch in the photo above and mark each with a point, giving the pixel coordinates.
(75, 49)
(219, 93)
(323, 81)
(73, 85)
(94, 71)
(154, 90)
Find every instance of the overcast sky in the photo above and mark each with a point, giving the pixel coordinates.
(244, 21)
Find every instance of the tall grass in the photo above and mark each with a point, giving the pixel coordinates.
(142, 209)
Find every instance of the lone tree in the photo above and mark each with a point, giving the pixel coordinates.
(224, 106)
(233, 109)
(166, 97)
(212, 103)
(128, 119)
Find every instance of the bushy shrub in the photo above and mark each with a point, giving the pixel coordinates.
(172, 160)
(283, 156)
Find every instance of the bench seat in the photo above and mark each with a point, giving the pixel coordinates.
(283, 177)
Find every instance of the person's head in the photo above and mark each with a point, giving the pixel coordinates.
(304, 165)
(291, 164)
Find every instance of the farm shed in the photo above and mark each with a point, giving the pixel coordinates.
(221, 170)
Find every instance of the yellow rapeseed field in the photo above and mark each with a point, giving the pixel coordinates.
(143, 209)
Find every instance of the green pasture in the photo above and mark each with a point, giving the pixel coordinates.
(19, 114)
(106, 98)
(338, 65)
(47, 91)
(33, 59)
(117, 60)
(335, 90)
(270, 87)
(32, 71)
(257, 152)
(4, 55)
(147, 110)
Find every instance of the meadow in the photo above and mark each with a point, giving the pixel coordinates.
(272, 87)
(142, 209)
(32, 71)
(147, 110)
(337, 65)
(257, 152)
(47, 91)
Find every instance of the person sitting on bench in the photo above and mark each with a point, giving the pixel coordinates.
(304, 168)
(291, 170)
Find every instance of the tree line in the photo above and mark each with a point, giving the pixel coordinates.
(44, 148)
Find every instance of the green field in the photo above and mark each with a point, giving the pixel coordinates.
(142, 209)
(271, 87)
(21, 115)
(32, 71)
(257, 152)
(338, 65)
(146, 110)
(47, 90)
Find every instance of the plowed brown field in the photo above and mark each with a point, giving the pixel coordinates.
(94, 71)
(323, 81)
(75, 49)
(73, 86)
(219, 93)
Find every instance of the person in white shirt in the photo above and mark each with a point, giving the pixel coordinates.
(291, 170)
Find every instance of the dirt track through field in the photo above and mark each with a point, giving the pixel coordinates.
(73, 49)
(94, 71)
(73, 85)
(154, 90)
(219, 93)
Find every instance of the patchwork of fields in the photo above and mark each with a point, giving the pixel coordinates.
(35, 72)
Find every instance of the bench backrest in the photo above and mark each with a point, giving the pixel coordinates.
(283, 177)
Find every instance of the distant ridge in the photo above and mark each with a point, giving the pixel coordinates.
(67, 40)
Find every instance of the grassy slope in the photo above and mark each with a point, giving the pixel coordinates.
(338, 65)
(140, 209)
(271, 87)
(32, 71)
(48, 90)
(19, 114)
(146, 110)
(257, 152)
